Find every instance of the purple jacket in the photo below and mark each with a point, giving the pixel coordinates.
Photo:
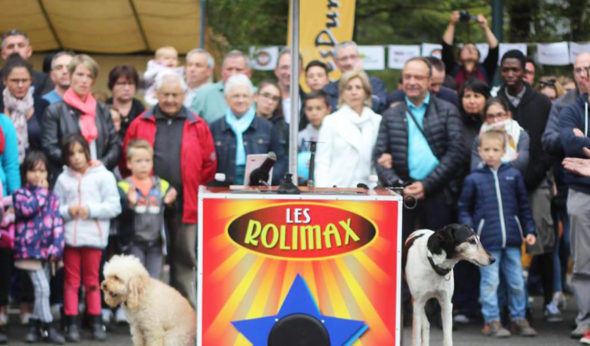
(39, 226)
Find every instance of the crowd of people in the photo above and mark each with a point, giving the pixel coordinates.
(90, 177)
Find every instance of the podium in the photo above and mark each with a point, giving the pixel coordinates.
(323, 265)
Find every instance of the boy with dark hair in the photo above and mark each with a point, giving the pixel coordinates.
(316, 106)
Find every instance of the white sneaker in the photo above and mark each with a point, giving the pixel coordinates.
(461, 318)
(552, 313)
(107, 316)
(25, 317)
(559, 300)
(120, 316)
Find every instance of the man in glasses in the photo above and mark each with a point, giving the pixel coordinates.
(348, 58)
(575, 141)
(16, 41)
(422, 137)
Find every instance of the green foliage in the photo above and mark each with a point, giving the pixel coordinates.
(238, 24)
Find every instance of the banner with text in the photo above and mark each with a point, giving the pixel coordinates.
(322, 25)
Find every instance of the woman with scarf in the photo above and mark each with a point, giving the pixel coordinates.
(497, 116)
(347, 136)
(240, 133)
(20, 106)
(81, 113)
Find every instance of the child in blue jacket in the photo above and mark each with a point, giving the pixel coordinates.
(494, 202)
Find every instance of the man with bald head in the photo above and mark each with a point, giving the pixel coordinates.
(348, 58)
(209, 102)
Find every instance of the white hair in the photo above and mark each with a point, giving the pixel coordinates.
(342, 45)
(238, 80)
(169, 75)
(210, 61)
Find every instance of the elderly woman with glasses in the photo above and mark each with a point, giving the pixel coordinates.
(497, 115)
(240, 133)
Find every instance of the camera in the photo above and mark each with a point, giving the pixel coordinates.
(464, 16)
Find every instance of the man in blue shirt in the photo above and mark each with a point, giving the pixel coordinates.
(60, 76)
(421, 136)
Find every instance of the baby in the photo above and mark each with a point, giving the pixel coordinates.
(165, 58)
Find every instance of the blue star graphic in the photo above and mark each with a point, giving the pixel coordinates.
(300, 301)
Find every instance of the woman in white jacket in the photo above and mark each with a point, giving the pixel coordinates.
(347, 136)
(88, 200)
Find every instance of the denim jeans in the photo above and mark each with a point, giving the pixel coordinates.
(507, 261)
(561, 249)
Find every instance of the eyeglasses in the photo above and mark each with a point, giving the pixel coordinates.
(492, 116)
(271, 97)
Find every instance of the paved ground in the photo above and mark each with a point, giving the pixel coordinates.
(554, 334)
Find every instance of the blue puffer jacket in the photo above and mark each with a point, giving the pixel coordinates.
(496, 205)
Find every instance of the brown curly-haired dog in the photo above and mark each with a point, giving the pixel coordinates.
(157, 313)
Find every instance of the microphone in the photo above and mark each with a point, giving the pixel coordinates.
(260, 175)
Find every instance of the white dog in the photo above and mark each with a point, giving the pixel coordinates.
(157, 313)
(429, 258)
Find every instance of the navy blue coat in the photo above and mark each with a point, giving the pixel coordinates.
(496, 206)
(575, 116)
(259, 138)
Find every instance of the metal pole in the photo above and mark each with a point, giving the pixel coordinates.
(202, 24)
(497, 18)
(294, 123)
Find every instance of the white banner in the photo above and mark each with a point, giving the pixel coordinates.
(399, 54)
(483, 49)
(373, 57)
(432, 49)
(504, 47)
(577, 48)
(555, 54)
(264, 58)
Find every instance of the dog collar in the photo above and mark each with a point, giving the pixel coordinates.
(439, 270)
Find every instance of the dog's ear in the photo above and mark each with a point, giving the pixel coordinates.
(135, 287)
(444, 240)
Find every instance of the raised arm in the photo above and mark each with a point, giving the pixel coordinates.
(449, 34)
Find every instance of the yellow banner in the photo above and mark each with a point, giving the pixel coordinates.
(323, 24)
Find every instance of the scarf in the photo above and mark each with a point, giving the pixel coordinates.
(17, 111)
(88, 109)
(512, 129)
(239, 126)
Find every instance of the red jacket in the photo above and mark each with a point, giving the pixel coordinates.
(197, 162)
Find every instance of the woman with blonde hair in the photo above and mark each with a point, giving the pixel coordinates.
(347, 136)
(81, 113)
